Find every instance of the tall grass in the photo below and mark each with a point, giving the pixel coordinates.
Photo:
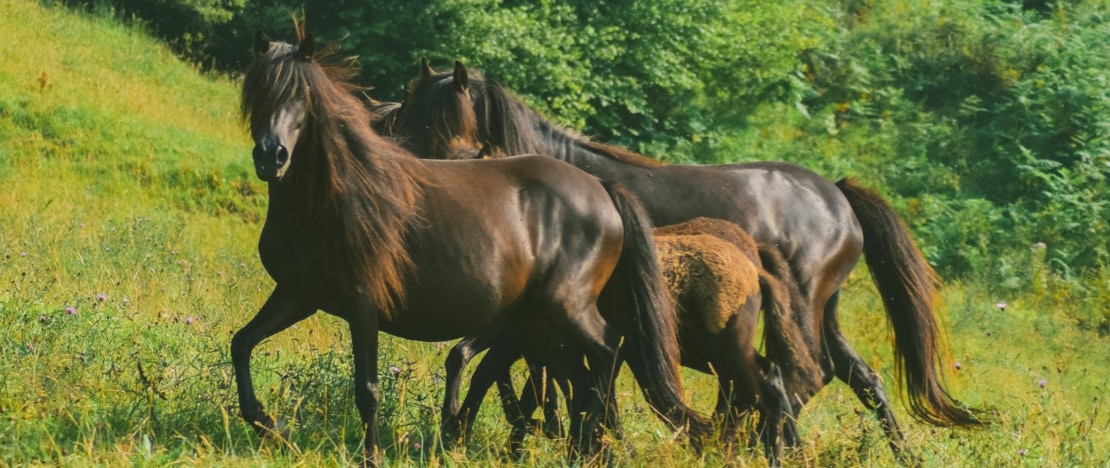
(128, 220)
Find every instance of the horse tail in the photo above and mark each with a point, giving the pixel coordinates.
(908, 286)
(649, 319)
(789, 339)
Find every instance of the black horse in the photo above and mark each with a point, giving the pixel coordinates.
(820, 227)
(435, 250)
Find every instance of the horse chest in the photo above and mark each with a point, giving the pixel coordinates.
(291, 261)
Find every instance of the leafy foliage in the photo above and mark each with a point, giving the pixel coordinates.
(987, 123)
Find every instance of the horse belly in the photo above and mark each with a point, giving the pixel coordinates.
(451, 300)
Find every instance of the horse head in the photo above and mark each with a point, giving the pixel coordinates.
(279, 112)
(437, 119)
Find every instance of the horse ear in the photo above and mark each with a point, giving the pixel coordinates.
(461, 80)
(425, 69)
(307, 48)
(261, 43)
(486, 152)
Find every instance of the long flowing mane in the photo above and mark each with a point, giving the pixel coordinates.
(506, 121)
(352, 190)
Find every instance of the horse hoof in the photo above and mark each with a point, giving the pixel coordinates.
(273, 428)
(451, 432)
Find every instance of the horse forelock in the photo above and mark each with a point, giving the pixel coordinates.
(356, 190)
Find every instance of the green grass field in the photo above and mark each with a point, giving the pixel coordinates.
(129, 216)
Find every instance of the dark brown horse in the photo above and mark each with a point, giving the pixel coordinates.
(821, 228)
(363, 230)
(716, 276)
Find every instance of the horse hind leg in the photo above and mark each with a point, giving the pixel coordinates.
(593, 388)
(851, 369)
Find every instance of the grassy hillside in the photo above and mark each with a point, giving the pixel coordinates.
(128, 220)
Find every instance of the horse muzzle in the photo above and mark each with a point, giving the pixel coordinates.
(271, 159)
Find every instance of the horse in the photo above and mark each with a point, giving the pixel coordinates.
(821, 228)
(363, 230)
(717, 279)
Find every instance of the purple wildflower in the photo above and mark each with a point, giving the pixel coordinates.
(1041, 383)
(71, 310)
(188, 320)
(1021, 452)
(416, 445)
(101, 297)
(1001, 306)
(957, 365)
(395, 370)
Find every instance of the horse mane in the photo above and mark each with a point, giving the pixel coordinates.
(508, 122)
(355, 191)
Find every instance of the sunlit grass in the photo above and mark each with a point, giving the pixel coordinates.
(128, 223)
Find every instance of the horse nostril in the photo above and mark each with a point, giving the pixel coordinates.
(282, 155)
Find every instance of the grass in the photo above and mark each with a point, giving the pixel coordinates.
(128, 221)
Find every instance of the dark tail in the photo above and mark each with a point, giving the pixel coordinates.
(650, 324)
(790, 341)
(908, 286)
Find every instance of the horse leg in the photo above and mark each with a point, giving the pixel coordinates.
(519, 411)
(456, 419)
(850, 368)
(493, 368)
(364, 344)
(593, 395)
(518, 417)
(280, 311)
(779, 402)
(451, 426)
(776, 421)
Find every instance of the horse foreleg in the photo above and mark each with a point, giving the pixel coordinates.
(280, 311)
(364, 344)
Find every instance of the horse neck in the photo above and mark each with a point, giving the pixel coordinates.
(572, 149)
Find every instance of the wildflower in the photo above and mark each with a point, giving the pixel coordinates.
(416, 445)
(126, 301)
(1041, 383)
(395, 370)
(23, 254)
(71, 310)
(1021, 453)
(101, 298)
(188, 320)
(30, 348)
(1039, 246)
(1001, 306)
(957, 365)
